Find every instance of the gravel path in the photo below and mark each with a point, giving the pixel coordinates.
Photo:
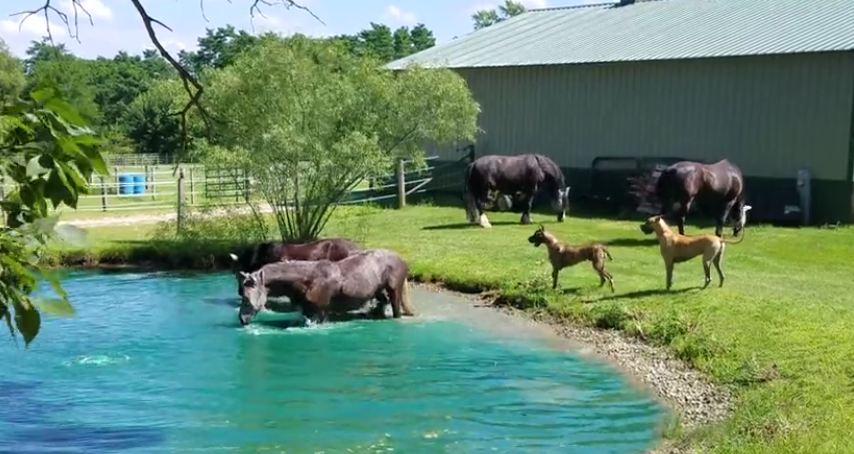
(135, 219)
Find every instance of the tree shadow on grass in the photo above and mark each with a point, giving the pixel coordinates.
(645, 293)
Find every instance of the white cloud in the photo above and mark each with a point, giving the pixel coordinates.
(96, 8)
(399, 16)
(532, 4)
(32, 26)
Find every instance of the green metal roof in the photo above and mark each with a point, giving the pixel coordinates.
(650, 30)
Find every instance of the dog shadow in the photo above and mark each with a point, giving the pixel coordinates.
(631, 242)
(646, 293)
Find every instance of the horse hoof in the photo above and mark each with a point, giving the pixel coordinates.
(484, 222)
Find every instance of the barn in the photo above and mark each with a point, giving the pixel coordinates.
(617, 87)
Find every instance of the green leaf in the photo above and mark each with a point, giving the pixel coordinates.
(58, 190)
(28, 321)
(97, 161)
(65, 110)
(42, 94)
(59, 307)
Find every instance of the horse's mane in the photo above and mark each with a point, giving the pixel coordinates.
(554, 176)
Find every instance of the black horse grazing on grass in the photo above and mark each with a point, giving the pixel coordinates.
(323, 287)
(717, 189)
(253, 258)
(525, 174)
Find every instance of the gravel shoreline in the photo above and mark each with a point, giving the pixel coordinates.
(687, 392)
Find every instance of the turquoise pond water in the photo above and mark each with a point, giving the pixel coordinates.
(156, 362)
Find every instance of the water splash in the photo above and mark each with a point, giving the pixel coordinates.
(98, 360)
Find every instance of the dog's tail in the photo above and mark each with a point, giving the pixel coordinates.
(740, 239)
(405, 303)
(608, 253)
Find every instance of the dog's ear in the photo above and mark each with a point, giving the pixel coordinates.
(542, 228)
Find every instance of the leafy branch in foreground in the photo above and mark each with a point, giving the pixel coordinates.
(48, 154)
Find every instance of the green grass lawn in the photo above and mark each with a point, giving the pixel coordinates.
(779, 333)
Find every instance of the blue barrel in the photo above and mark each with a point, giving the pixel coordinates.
(139, 183)
(125, 184)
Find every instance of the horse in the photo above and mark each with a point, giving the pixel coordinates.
(261, 254)
(717, 189)
(524, 175)
(323, 286)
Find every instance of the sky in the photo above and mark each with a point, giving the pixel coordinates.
(117, 26)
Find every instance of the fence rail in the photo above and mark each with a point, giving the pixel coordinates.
(146, 185)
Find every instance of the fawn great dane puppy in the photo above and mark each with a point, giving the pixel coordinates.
(677, 248)
(563, 255)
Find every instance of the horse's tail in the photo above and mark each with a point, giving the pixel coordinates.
(405, 303)
(468, 197)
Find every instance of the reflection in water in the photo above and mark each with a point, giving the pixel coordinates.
(159, 363)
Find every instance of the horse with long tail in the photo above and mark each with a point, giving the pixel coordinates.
(716, 189)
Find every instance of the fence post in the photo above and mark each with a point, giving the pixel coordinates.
(180, 216)
(147, 177)
(103, 195)
(247, 191)
(116, 174)
(2, 187)
(192, 188)
(401, 184)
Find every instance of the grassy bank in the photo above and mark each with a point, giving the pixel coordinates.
(779, 333)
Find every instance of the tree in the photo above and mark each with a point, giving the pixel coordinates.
(422, 38)
(309, 120)
(11, 75)
(217, 49)
(50, 65)
(48, 154)
(150, 120)
(378, 42)
(485, 18)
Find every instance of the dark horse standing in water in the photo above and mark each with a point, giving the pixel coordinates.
(717, 189)
(527, 174)
(252, 259)
(323, 287)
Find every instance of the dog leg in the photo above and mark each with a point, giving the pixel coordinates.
(717, 261)
(668, 266)
(555, 272)
(707, 270)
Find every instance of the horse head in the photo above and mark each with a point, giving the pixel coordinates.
(254, 295)
(539, 236)
(560, 202)
(739, 213)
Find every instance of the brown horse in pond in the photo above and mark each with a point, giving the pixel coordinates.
(717, 189)
(253, 258)
(323, 287)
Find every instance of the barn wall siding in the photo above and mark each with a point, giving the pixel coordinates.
(772, 115)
